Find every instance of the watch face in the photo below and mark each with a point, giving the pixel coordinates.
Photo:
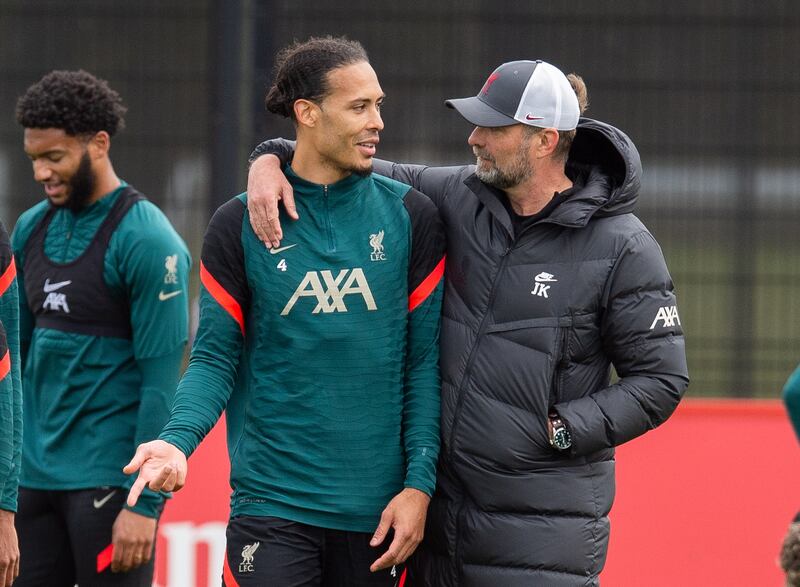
(562, 439)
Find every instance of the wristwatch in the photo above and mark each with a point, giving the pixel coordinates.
(560, 437)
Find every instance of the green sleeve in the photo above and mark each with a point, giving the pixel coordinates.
(159, 380)
(422, 387)
(791, 398)
(11, 385)
(22, 231)
(421, 407)
(204, 390)
(208, 382)
(152, 263)
(6, 440)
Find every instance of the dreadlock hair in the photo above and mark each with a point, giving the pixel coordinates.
(301, 71)
(74, 101)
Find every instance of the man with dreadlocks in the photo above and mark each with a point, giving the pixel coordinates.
(103, 324)
(323, 352)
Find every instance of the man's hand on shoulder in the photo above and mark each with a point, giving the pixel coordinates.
(133, 536)
(406, 514)
(266, 185)
(9, 549)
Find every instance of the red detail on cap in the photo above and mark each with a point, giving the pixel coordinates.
(403, 578)
(5, 365)
(427, 286)
(529, 117)
(222, 297)
(227, 574)
(8, 276)
(104, 558)
(489, 82)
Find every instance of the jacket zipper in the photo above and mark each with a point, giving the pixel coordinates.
(471, 360)
(328, 224)
(561, 361)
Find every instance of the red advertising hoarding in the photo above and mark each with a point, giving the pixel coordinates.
(703, 500)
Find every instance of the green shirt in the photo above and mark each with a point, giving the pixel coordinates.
(324, 352)
(90, 400)
(10, 385)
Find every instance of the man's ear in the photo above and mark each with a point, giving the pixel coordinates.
(99, 145)
(547, 142)
(306, 112)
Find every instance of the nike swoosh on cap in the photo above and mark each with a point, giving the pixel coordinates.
(529, 117)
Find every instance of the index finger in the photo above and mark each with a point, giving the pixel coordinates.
(389, 557)
(288, 201)
(136, 491)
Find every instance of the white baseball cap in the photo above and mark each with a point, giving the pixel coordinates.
(528, 92)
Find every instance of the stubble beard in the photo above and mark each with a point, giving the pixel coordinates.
(345, 169)
(517, 172)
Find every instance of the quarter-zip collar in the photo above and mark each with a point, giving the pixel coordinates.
(350, 186)
(70, 232)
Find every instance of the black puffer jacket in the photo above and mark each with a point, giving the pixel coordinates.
(509, 510)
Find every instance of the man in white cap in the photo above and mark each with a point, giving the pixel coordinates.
(550, 281)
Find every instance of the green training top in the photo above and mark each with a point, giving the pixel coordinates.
(89, 400)
(324, 351)
(10, 385)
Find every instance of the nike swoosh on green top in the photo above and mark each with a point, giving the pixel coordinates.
(274, 251)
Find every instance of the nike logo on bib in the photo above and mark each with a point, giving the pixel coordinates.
(98, 503)
(165, 296)
(49, 287)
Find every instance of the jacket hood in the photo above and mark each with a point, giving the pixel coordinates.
(606, 168)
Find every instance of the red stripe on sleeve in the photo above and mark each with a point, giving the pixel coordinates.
(5, 365)
(104, 558)
(403, 578)
(8, 276)
(427, 286)
(223, 298)
(227, 574)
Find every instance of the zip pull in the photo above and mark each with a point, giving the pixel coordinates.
(563, 360)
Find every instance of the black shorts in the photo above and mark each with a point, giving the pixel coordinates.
(273, 552)
(63, 535)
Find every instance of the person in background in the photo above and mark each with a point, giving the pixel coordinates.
(790, 549)
(103, 325)
(10, 411)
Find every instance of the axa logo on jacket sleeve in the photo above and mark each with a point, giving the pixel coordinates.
(331, 296)
(667, 316)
